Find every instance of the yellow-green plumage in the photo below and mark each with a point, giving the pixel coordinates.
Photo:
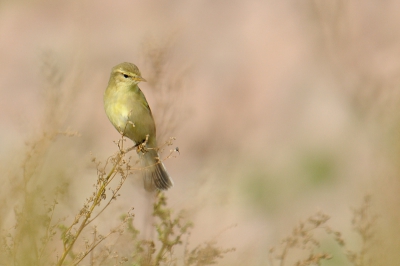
(128, 110)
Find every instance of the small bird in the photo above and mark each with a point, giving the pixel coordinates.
(129, 112)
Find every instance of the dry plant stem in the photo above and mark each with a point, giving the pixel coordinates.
(47, 236)
(92, 253)
(98, 242)
(105, 185)
(165, 230)
(160, 255)
(115, 192)
(95, 202)
(302, 238)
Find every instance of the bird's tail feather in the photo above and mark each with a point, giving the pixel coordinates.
(155, 175)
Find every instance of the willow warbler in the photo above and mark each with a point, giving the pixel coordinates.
(129, 112)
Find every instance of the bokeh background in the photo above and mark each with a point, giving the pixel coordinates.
(281, 109)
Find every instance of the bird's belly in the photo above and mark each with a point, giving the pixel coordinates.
(131, 119)
(118, 114)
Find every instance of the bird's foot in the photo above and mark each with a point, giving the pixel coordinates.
(141, 148)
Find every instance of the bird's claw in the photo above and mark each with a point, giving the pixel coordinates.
(141, 148)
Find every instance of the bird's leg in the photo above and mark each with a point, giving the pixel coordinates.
(128, 122)
(142, 146)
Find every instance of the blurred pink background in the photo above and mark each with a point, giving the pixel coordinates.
(289, 107)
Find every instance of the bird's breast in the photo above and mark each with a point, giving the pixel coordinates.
(118, 107)
(128, 111)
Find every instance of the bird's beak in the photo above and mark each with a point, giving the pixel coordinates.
(138, 78)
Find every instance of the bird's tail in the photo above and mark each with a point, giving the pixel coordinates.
(154, 174)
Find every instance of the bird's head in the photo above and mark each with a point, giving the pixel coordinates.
(126, 73)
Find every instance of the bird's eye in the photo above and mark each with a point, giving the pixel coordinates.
(125, 76)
